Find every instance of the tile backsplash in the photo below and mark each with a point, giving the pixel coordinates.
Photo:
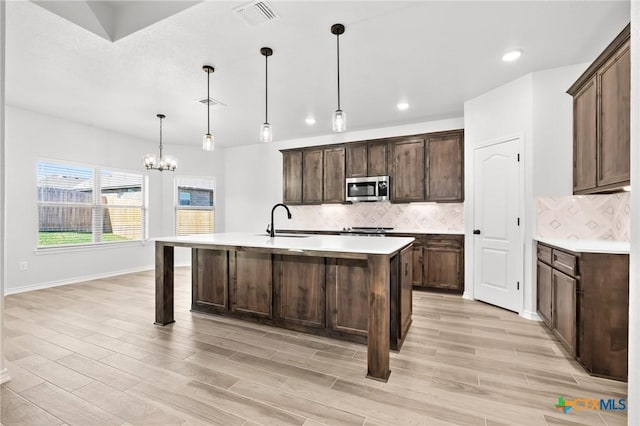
(441, 217)
(588, 217)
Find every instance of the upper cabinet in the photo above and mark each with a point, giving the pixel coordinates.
(426, 167)
(407, 170)
(366, 159)
(312, 174)
(601, 121)
(444, 160)
(292, 177)
(334, 186)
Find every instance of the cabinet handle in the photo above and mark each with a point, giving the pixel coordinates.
(406, 268)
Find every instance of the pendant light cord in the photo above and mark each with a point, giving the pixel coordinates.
(338, 50)
(266, 89)
(208, 104)
(160, 139)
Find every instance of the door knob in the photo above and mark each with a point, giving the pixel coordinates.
(476, 232)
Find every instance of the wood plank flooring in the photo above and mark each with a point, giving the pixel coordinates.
(89, 354)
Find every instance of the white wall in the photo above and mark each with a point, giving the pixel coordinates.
(4, 374)
(537, 109)
(32, 136)
(254, 173)
(633, 415)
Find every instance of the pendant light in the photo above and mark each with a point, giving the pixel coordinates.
(207, 140)
(266, 134)
(162, 163)
(339, 116)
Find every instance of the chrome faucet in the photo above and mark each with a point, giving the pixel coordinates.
(271, 230)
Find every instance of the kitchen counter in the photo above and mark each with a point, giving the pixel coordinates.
(389, 233)
(295, 243)
(588, 246)
(346, 287)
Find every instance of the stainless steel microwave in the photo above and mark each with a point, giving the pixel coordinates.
(374, 188)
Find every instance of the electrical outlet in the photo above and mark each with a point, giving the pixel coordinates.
(24, 265)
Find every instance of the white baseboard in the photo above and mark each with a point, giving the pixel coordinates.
(4, 376)
(75, 280)
(467, 295)
(533, 316)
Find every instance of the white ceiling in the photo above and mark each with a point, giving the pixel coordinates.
(433, 55)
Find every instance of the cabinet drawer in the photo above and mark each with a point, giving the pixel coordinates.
(544, 254)
(565, 262)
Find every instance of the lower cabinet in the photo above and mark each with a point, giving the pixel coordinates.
(438, 263)
(584, 299)
(325, 296)
(299, 285)
(564, 310)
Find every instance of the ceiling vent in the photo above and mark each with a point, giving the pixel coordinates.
(256, 13)
(211, 101)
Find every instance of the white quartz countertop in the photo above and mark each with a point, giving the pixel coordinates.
(393, 231)
(298, 242)
(589, 246)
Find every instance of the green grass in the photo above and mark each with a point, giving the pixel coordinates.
(61, 238)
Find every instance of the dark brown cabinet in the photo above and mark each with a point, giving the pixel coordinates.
(334, 175)
(356, 160)
(209, 273)
(250, 283)
(443, 264)
(406, 287)
(545, 291)
(564, 310)
(312, 176)
(444, 160)
(407, 170)
(584, 299)
(299, 290)
(601, 121)
(366, 159)
(292, 177)
(377, 159)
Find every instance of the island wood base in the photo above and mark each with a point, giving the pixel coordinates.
(361, 298)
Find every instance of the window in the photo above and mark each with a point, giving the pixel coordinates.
(194, 205)
(88, 205)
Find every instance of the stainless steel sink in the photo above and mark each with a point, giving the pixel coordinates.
(285, 235)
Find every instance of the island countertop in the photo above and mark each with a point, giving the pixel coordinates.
(296, 243)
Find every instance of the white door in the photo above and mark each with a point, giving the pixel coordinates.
(497, 238)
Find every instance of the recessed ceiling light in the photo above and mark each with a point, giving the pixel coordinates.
(512, 56)
(403, 106)
(310, 121)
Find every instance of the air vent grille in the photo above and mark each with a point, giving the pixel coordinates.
(211, 101)
(256, 13)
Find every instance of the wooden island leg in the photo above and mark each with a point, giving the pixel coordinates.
(164, 284)
(378, 318)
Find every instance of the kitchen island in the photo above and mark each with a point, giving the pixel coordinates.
(345, 287)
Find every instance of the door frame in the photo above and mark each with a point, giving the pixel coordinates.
(470, 257)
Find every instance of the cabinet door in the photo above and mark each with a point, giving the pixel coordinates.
(564, 310)
(347, 296)
(312, 176)
(614, 127)
(209, 279)
(299, 283)
(334, 185)
(417, 263)
(357, 160)
(545, 302)
(406, 286)
(444, 159)
(292, 177)
(443, 265)
(377, 159)
(407, 180)
(250, 282)
(584, 138)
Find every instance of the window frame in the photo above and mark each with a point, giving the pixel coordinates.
(176, 200)
(97, 208)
